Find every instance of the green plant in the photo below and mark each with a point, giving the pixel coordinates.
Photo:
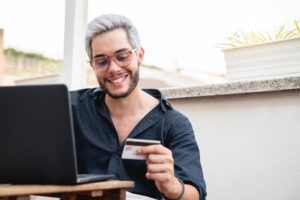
(297, 26)
(17, 53)
(242, 38)
(32, 64)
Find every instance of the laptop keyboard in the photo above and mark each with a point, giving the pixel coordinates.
(84, 178)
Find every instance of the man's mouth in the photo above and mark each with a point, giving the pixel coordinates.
(117, 79)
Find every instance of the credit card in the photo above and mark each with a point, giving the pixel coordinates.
(132, 145)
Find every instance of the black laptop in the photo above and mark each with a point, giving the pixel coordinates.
(37, 144)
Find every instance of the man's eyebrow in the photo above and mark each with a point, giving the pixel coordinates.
(103, 55)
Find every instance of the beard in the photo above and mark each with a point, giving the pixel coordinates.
(134, 79)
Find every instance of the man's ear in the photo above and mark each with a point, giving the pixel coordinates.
(91, 65)
(141, 55)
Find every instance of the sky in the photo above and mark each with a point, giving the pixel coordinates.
(174, 33)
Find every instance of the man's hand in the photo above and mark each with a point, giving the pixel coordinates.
(160, 168)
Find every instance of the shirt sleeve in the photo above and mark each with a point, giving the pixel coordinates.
(181, 140)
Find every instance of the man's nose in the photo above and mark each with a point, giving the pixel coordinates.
(113, 66)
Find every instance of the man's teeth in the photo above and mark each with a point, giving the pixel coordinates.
(117, 80)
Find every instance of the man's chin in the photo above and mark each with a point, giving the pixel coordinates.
(117, 95)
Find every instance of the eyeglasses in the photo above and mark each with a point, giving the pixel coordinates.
(121, 58)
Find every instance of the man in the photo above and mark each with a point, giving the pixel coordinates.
(105, 117)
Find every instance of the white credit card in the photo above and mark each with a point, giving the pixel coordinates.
(132, 145)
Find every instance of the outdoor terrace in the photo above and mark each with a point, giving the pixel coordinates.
(248, 131)
(249, 136)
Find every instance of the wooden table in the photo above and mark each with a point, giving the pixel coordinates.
(104, 190)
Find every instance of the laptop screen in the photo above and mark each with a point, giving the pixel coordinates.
(36, 135)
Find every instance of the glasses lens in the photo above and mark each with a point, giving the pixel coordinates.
(101, 63)
(123, 58)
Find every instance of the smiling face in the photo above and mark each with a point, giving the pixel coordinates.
(117, 81)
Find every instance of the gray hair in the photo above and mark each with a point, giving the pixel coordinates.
(105, 23)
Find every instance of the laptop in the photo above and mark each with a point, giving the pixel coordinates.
(37, 144)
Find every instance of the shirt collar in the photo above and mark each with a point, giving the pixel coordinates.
(157, 94)
(98, 94)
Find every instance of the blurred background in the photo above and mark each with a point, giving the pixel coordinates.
(181, 38)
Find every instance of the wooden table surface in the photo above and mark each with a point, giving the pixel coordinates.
(109, 188)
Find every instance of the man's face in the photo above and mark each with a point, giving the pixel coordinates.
(117, 81)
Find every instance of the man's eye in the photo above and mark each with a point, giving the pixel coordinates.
(101, 62)
(122, 57)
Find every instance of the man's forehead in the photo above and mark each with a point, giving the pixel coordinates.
(110, 41)
(111, 34)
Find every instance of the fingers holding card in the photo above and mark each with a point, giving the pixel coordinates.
(133, 145)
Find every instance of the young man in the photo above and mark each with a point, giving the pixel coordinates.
(105, 117)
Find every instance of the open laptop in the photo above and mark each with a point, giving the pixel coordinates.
(37, 144)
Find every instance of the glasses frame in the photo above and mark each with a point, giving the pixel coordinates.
(113, 57)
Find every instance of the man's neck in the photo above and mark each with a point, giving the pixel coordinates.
(128, 111)
(133, 104)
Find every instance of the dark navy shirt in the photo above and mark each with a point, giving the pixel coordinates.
(99, 150)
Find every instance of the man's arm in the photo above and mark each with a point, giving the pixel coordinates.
(177, 157)
(160, 164)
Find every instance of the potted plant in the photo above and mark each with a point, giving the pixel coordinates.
(253, 55)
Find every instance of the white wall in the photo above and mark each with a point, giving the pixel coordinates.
(250, 144)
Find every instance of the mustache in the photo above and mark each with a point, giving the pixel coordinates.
(116, 75)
